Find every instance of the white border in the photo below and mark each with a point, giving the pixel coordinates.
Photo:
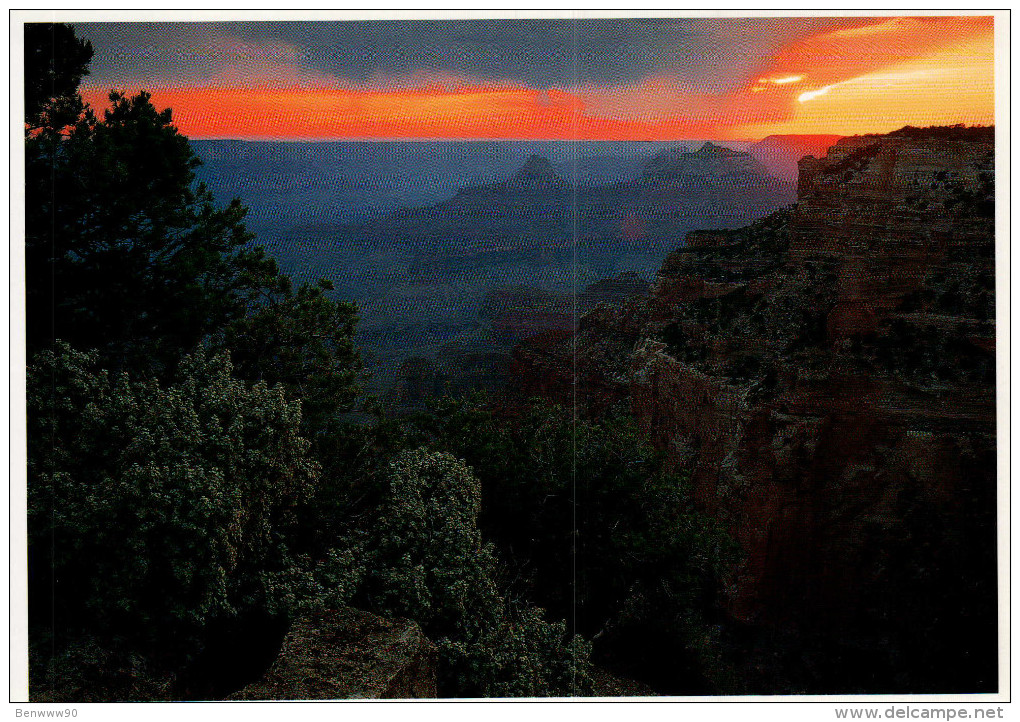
(778, 707)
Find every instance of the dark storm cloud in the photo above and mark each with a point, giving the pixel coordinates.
(536, 53)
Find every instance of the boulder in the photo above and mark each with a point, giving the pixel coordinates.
(349, 654)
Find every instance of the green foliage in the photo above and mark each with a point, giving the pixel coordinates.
(637, 541)
(429, 561)
(670, 563)
(127, 254)
(172, 495)
(160, 508)
(303, 340)
(91, 670)
(522, 655)
(124, 252)
(155, 510)
(426, 560)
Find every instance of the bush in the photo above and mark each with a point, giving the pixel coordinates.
(595, 531)
(125, 253)
(302, 339)
(88, 669)
(522, 655)
(426, 560)
(156, 510)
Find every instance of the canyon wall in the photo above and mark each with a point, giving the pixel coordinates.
(827, 378)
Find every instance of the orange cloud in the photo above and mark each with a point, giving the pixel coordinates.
(944, 84)
(870, 75)
(829, 57)
(424, 112)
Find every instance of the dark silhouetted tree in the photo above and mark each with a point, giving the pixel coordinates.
(303, 339)
(128, 255)
(55, 63)
(124, 252)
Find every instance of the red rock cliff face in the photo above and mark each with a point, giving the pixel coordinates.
(828, 396)
(827, 377)
(890, 209)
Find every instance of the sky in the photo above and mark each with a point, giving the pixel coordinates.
(591, 79)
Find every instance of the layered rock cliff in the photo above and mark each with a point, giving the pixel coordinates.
(781, 153)
(826, 376)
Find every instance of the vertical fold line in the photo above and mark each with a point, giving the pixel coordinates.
(573, 346)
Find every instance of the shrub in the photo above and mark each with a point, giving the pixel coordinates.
(521, 655)
(595, 530)
(155, 510)
(426, 560)
(429, 561)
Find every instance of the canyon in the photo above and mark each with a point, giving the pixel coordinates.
(826, 377)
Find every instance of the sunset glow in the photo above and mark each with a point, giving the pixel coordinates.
(862, 75)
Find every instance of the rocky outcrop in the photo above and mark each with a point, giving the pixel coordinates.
(620, 287)
(710, 162)
(590, 366)
(781, 153)
(827, 375)
(512, 320)
(891, 210)
(537, 173)
(349, 654)
(526, 311)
